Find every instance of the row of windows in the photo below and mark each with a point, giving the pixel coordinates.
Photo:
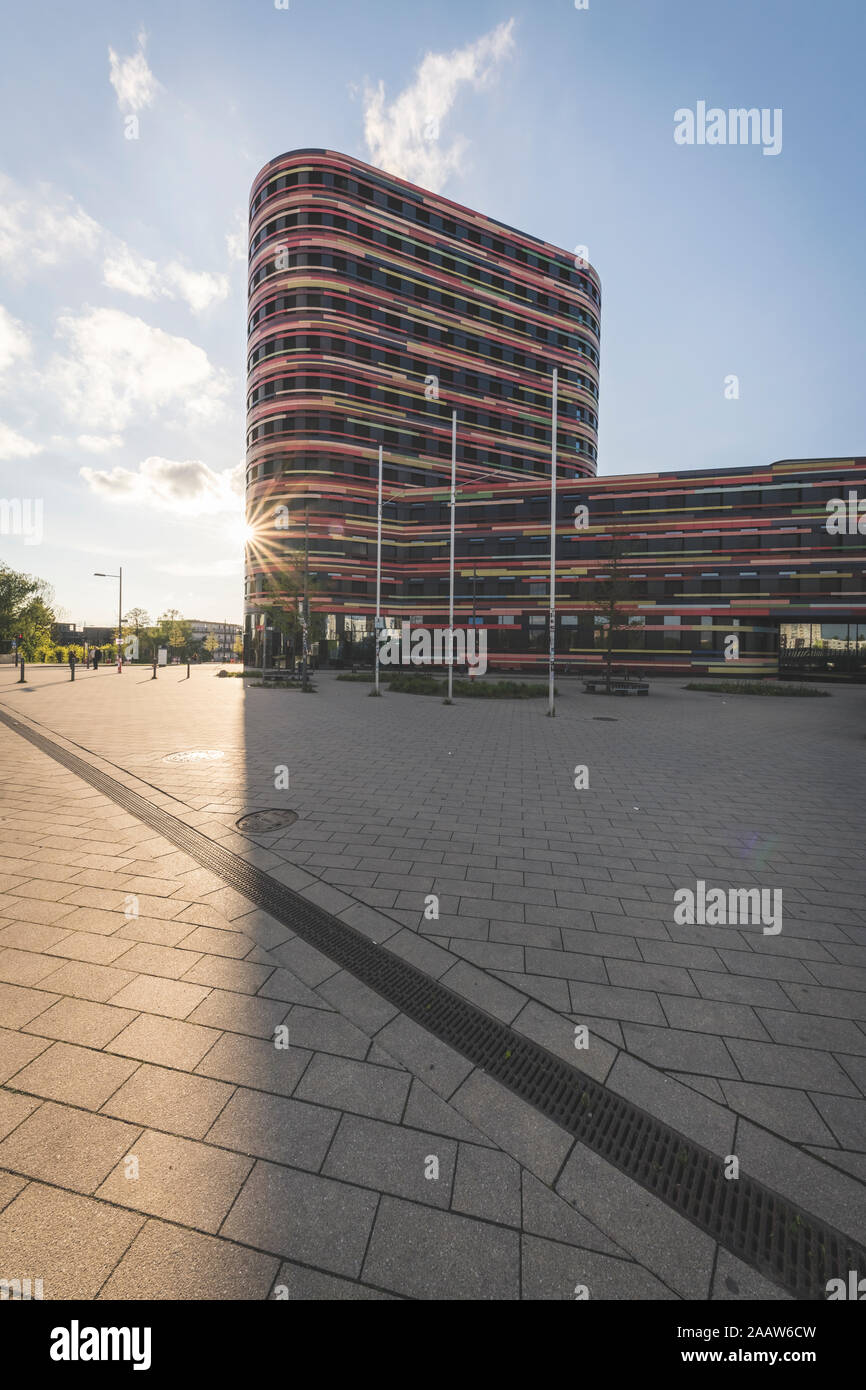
(413, 211)
(474, 381)
(358, 270)
(279, 386)
(404, 437)
(358, 309)
(404, 403)
(521, 588)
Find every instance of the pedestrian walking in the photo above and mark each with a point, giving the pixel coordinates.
(96, 658)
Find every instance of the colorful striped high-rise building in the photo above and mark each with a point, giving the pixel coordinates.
(376, 309)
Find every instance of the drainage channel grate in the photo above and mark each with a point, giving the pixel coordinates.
(762, 1228)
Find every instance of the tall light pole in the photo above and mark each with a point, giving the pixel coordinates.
(98, 574)
(376, 690)
(451, 575)
(552, 649)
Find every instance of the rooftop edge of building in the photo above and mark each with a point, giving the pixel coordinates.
(460, 208)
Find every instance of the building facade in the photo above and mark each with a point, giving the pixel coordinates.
(376, 309)
(225, 635)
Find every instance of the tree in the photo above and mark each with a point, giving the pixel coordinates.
(26, 607)
(211, 644)
(136, 623)
(610, 615)
(175, 631)
(238, 645)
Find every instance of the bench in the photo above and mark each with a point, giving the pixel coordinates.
(619, 685)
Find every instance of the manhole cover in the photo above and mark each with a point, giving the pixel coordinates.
(195, 755)
(259, 821)
(606, 718)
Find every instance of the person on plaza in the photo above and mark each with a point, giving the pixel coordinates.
(96, 658)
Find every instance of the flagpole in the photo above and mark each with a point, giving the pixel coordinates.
(451, 583)
(552, 650)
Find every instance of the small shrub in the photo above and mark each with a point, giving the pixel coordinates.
(754, 688)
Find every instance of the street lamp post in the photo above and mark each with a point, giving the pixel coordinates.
(98, 574)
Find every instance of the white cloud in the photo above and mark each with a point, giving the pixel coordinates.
(200, 288)
(117, 367)
(14, 340)
(237, 240)
(15, 446)
(405, 137)
(99, 443)
(42, 228)
(132, 79)
(187, 488)
(124, 269)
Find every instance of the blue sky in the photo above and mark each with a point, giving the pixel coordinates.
(122, 272)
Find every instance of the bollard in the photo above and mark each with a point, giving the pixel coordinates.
(153, 677)
(21, 677)
(72, 670)
(187, 670)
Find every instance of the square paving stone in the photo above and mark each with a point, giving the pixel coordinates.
(13, 1109)
(323, 1030)
(274, 1127)
(487, 1185)
(171, 1100)
(10, 1186)
(153, 959)
(390, 1158)
(193, 1184)
(377, 1091)
(304, 1217)
(553, 1271)
(224, 973)
(440, 1067)
(24, 967)
(165, 1262)
(240, 1013)
(790, 1113)
(19, 1005)
(82, 945)
(429, 1254)
(69, 1242)
(654, 1234)
(166, 1040)
(735, 1280)
(545, 1213)
(81, 1021)
(16, 1050)
(86, 981)
(255, 1062)
(76, 1075)
(31, 936)
(171, 998)
(301, 1285)
(847, 1119)
(67, 1147)
(519, 1129)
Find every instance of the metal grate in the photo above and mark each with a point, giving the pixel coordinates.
(767, 1231)
(261, 822)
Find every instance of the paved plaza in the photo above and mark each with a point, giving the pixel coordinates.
(154, 1142)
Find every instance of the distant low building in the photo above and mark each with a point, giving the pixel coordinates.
(68, 635)
(226, 635)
